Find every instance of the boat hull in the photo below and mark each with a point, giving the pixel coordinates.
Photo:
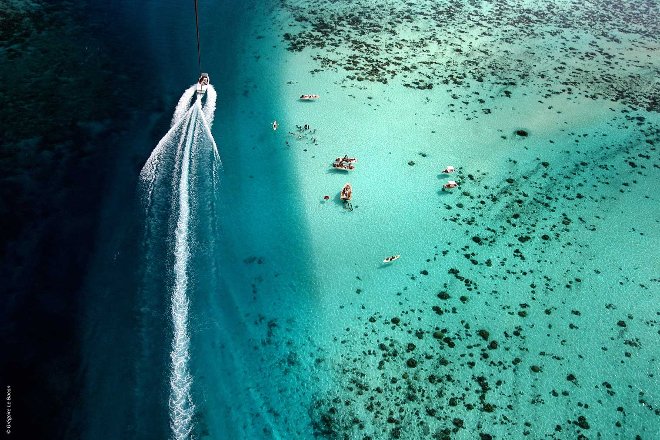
(346, 193)
(201, 89)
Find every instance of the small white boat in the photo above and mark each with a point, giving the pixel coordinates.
(450, 169)
(346, 192)
(391, 258)
(449, 185)
(203, 83)
(275, 125)
(309, 97)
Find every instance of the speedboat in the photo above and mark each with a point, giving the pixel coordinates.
(450, 169)
(449, 185)
(346, 192)
(309, 97)
(391, 258)
(203, 84)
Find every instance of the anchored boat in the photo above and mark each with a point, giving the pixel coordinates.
(346, 192)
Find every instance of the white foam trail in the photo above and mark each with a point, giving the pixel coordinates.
(150, 169)
(184, 104)
(209, 105)
(180, 402)
(181, 156)
(154, 174)
(206, 126)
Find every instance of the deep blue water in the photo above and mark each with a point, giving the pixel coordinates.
(118, 370)
(87, 330)
(78, 157)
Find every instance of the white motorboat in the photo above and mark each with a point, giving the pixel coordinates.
(203, 84)
(346, 192)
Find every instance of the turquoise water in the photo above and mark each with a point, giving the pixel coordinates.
(525, 301)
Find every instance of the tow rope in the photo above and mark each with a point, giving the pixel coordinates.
(199, 56)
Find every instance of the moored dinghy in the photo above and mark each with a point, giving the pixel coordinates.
(346, 193)
(309, 97)
(391, 258)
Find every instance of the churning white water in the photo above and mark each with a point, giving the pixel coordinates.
(168, 175)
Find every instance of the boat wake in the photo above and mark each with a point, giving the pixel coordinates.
(178, 184)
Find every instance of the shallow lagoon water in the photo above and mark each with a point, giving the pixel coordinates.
(520, 298)
(510, 312)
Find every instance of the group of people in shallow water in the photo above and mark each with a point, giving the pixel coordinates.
(344, 163)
